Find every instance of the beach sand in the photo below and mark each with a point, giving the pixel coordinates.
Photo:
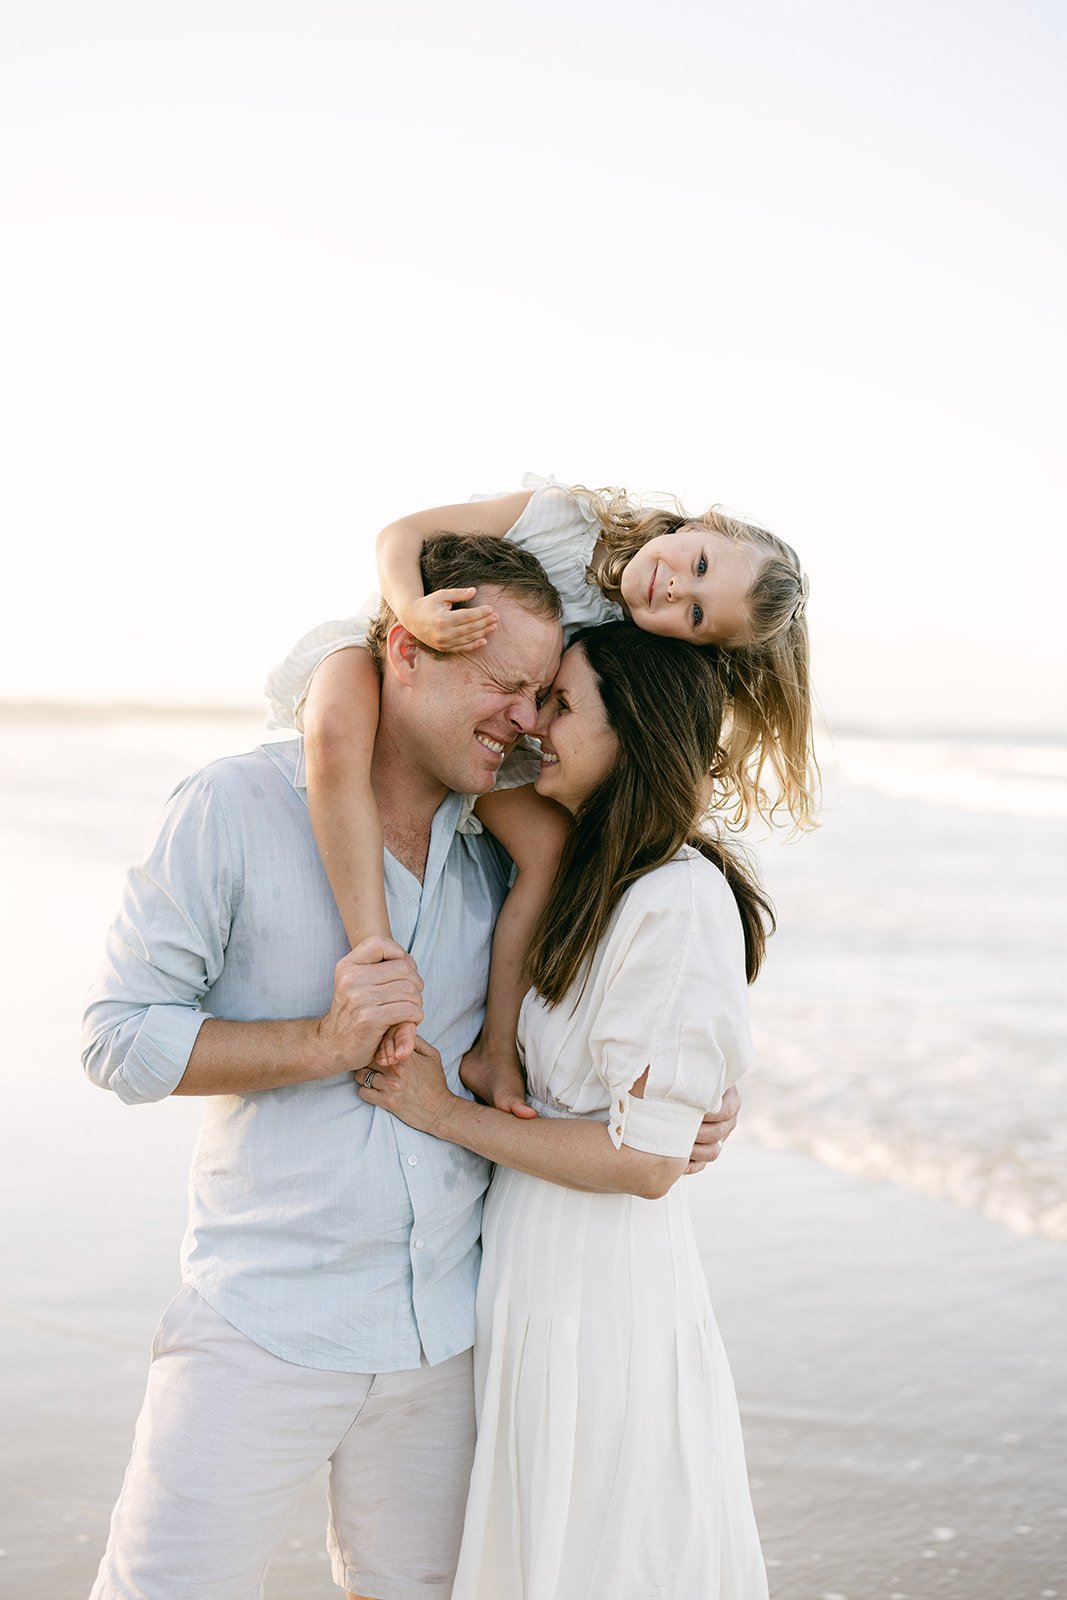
(899, 1362)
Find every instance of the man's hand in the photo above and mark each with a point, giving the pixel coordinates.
(375, 986)
(497, 1079)
(432, 619)
(716, 1126)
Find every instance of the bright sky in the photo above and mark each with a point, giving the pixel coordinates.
(278, 272)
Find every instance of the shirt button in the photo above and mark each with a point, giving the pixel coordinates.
(419, 1243)
(413, 1161)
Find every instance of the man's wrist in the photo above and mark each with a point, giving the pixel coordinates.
(321, 1056)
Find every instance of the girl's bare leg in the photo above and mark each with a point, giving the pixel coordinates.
(340, 724)
(532, 830)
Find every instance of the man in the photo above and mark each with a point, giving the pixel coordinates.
(331, 1259)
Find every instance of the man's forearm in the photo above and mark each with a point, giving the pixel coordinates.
(241, 1057)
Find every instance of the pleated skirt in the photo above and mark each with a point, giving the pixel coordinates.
(610, 1463)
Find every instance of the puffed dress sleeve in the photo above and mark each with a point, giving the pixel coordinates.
(560, 528)
(674, 1000)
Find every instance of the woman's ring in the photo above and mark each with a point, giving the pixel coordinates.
(368, 1082)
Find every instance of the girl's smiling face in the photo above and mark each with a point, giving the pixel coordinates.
(693, 585)
(578, 744)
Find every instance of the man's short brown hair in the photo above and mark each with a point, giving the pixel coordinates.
(470, 561)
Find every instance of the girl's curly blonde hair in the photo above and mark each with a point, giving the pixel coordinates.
(768, 733)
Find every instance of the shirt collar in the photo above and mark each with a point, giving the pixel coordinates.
(288, 756)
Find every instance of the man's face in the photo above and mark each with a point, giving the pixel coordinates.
(463, 713)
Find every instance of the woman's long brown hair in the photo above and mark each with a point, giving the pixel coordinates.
(666, 704)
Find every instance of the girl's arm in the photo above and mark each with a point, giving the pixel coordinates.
(430, 616)
(574, 1151)
(533, 831)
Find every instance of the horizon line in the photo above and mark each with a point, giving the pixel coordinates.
(45, 710)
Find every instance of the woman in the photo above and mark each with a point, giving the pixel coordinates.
(609, 1459)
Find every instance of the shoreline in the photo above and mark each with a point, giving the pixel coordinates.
(898, 1364)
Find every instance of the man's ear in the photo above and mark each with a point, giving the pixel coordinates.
(401, 652)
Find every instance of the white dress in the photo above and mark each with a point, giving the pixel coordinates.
(609, 1463)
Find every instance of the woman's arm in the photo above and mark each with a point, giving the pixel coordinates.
(430, 617)
(574, 1151)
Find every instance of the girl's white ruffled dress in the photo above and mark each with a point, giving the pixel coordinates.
(610, 1463)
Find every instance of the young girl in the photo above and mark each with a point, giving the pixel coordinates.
(710, 580)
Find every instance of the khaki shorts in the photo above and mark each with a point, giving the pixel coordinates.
(229, 1437)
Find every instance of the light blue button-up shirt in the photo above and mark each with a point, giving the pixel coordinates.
(320, 1226)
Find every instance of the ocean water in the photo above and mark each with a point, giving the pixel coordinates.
(912, 1017)
(911, 1020)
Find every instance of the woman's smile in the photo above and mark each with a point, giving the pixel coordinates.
(575, 735)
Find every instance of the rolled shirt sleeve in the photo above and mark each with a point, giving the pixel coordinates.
(164, 951)
(676, 1002)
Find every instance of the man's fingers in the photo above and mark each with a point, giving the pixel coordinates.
(717, 1120)
(376, 947)
(702, 1156)
(403, 1041)
(718, 1124)
(371, 1001)
(728, 1110)
(384, 1017)
(396, 1044)
(365, 979)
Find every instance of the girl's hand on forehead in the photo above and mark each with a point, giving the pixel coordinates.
(433, 620)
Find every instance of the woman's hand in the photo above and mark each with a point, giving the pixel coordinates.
(414, 1090)
(432, 619)
(496, 1078)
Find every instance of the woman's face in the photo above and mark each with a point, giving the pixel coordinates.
(578, 747)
